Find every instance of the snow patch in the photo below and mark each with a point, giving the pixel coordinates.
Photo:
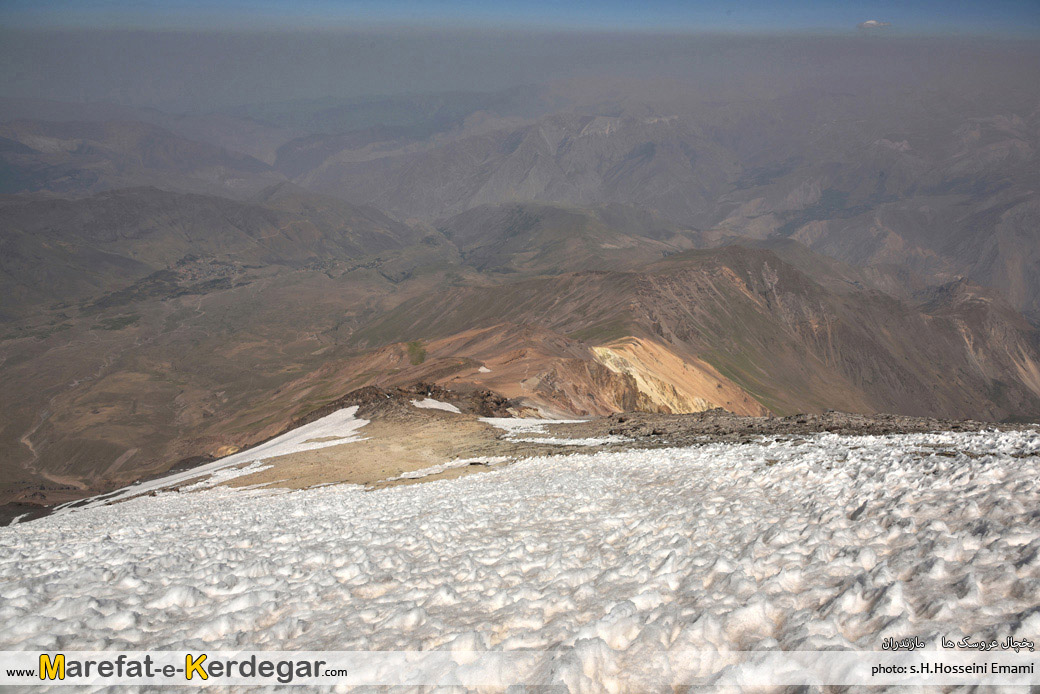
(431, 404)
(226, 475)
(591, 441)
(525, 425)
(437, 469)
(334, 429)
(514, 426)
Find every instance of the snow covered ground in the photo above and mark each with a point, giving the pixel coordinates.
(451, 464)
(515, 426)
(605, 560)
(432, 404)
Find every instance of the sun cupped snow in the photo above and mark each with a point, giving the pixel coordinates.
(606, 560)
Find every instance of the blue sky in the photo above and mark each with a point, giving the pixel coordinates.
(1014, 17)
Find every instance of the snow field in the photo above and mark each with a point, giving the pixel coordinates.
(605, 560)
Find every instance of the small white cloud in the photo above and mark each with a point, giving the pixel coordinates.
(872, 24)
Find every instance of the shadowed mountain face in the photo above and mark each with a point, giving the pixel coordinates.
(941, 199)
(81, 157)
(835, 227)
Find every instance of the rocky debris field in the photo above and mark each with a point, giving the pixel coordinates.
(720, 425)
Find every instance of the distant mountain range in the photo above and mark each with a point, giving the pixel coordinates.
(175, 287)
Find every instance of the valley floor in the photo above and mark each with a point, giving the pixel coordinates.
(604, 559)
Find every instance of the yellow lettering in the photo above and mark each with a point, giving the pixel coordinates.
(193, 666)
(50, 670)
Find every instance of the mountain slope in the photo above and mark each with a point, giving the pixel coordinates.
(656, 162)
(530, 238)
(74, 250)
(776, 332)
